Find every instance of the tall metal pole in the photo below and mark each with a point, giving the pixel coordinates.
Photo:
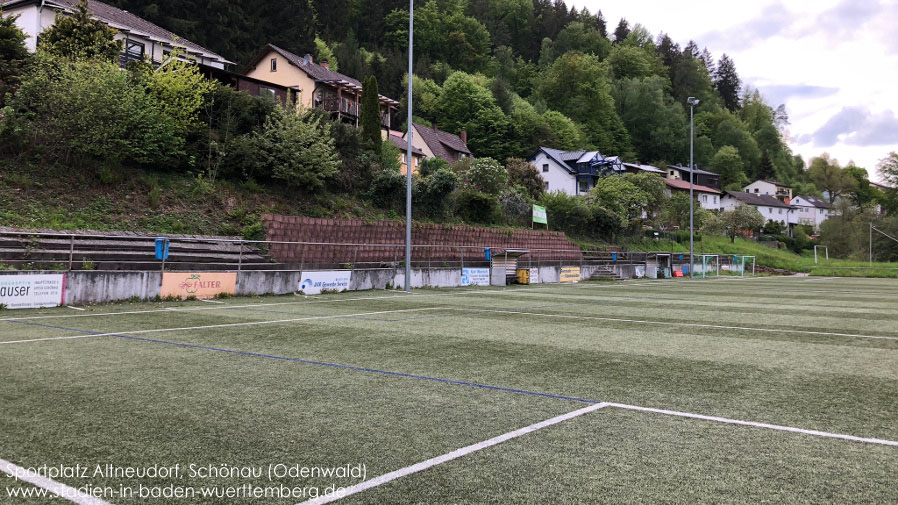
(691, 194)
(871, 243)
(408, 159)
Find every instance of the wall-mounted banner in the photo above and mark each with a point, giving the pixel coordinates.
(314, 282)
(534, 276)
(32, 291)
(539, 215)
(199, 284)
(475, 276)
(570, 274)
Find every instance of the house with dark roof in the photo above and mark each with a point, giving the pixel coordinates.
(707, 198)
(769, 206)
(702, 177)
(315, 84)
(573, 172)
(811, 210)
(764, 187)
(140, 38)
(436, 143)
(417, 154)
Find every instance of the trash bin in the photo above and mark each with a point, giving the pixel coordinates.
(161, 248)
(685, 269)
(523, 276)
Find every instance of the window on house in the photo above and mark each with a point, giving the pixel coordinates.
(781, 211)
(417, 161)
(704, 198)
(546, 167)
(715, 198)
(584, 186)
(274, 64)
(821, 211)
(404, 157)
(756, 191)
(546, 185)
(134, 50)
(267, 92)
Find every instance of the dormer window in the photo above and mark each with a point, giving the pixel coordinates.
(274, 64)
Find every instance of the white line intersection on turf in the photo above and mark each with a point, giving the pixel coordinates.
(424, 465)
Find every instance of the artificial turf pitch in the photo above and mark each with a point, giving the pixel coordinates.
(387, 380)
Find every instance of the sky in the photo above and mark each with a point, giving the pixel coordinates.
(833, 63)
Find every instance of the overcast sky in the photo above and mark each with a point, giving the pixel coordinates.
(834, 63)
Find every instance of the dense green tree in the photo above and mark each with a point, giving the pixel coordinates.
(765, 169)
(658, 125)
(577, 85)
(727, 163)
(324, 53)
(621, 32)
(735, 222)
(862, 193)
(14, 57)
(828, 176)
(487, 176)
(580, 37)
(370, 114)
(727, 82)
(80, 36)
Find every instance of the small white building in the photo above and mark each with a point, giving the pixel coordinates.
(769, 206)
(781, 192)
(707, 198)
(811, 210)
(140, 38)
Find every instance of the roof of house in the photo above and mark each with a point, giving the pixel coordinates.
(697, 171)
(125, 22)
(317, 72)
(757, 200)
(681, 184)
(645, 168)
(403, 145)
(880, 186)
(776, 183)
(816, 202)
(569, 159)
(441, 142)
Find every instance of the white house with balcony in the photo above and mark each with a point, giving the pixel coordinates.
(811, 210)
(781, 192)
(140, 38)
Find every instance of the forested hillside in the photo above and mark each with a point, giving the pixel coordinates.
(517, 74)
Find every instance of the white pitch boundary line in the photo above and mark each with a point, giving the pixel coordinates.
(57, 488)
(675, 323)
(74, 308)
(424, 465)
(225, 325)
(753, 424)
(212, 301)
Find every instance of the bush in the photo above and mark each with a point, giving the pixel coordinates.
(476, 207)
(487, 176)
(387, 189)
(358, 162)
(296, 149)
(93, 110)
(523, 174)
(433, 190)
(431, 165)
(567, 213)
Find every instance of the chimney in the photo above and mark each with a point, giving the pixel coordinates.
(325, 64)
(464, 136)
(308, 59)
(435, 126)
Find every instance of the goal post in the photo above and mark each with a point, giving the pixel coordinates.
(710, 261)
(741, 261)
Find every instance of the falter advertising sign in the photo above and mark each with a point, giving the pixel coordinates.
(32, 291)
(201, 285)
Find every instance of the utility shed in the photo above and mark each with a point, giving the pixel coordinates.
(504, 265)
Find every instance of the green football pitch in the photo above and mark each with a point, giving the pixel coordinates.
(730, 390)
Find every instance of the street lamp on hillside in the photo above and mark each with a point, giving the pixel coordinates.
(692, 101)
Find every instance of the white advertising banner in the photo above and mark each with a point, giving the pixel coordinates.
(314, 282)
(475, 276)
(534, 276)
(32, 291)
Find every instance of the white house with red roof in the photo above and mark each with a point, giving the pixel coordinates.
(708, 198)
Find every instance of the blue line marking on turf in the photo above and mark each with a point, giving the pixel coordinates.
(321, 363)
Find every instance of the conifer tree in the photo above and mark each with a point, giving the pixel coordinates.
(727, 82)
(80, 36)
(13, 55)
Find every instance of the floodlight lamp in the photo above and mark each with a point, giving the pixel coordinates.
(692, 100)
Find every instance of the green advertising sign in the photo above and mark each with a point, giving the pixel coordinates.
(539, 215)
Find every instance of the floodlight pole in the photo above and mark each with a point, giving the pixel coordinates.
(408, 158)
(692, 101)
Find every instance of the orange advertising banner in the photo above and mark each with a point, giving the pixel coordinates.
(199, 284)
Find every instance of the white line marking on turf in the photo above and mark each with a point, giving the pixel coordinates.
(226, 325)
(57, 488)
(212, 301)
(756, 425)
(675, 323)
(74, 308)
(424, 465)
